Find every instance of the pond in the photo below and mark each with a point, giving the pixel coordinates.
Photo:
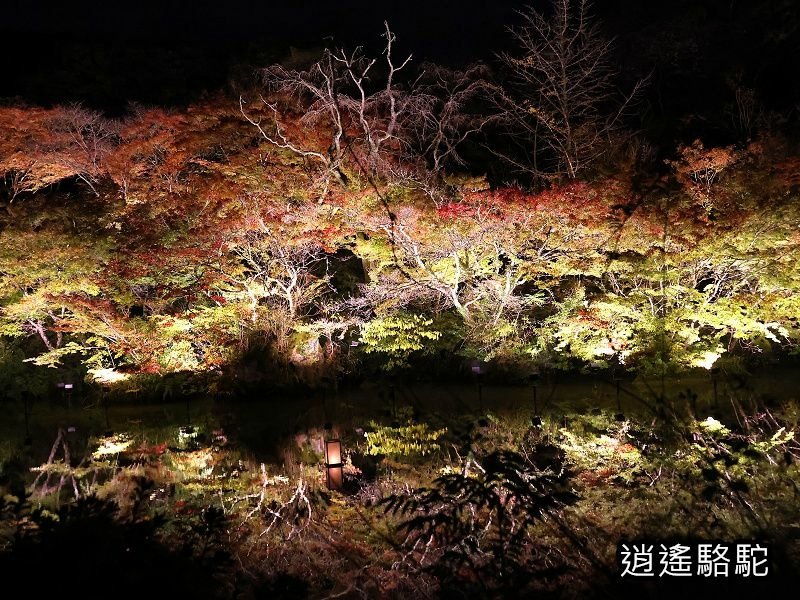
(262, 424)
(239, 487)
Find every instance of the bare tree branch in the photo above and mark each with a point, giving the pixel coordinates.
(562, 100)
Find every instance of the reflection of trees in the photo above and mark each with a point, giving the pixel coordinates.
(191, 559)
(473, 529)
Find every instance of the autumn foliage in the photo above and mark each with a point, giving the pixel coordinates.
(183, 241)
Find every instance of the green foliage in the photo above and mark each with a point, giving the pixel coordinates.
(53, 357)
(398, 336)
(406, 440)
(778, 441)
(179, 356)
(602, 454)
(728, 461)
(714, 428)
(218, 245)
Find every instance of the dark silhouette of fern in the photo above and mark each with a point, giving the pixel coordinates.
(475, 527)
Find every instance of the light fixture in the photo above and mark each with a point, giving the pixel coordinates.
(536, 420)
(714, 373)
(334, 471)
(478, 372)
(66, 393)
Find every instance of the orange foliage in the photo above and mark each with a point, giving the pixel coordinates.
(40, 147)
(698, 169)
(576, 201)
(787, 172)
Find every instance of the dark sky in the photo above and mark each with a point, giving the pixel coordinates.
(433, 26)
(169, 51)
(202, 19)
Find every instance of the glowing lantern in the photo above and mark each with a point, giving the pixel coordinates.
(334, 471)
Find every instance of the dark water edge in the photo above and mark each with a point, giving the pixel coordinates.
(262, 419)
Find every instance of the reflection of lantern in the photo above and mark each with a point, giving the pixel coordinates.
(334, 470)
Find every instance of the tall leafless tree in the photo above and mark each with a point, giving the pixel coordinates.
(339, 93)
(562, 106)
(317, 89)
(380, 118)
(452, 109)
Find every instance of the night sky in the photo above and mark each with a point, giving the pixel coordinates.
(166, 52)
(171, 52)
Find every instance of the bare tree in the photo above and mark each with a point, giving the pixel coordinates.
(317, 89)
(273, 271)
(338, 93)
(450, 113)
(476, 273)
(381, 114)
(20, 180)
(562, 104)
(91, 139)
(449, 108)
(745, 112)
(379, 118)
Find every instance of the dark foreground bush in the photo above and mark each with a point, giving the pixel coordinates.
(88, 549)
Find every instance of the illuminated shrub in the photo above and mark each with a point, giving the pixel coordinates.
(397, 337)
